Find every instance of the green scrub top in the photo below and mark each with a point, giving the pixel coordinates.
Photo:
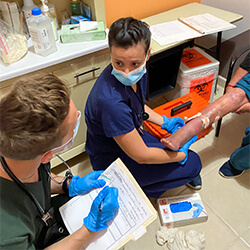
(20, 227)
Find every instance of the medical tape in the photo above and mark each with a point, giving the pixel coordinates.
(192, 117)
(205, 122)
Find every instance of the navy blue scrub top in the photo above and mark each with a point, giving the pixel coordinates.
(112, 109)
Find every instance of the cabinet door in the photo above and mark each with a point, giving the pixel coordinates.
(80, 76)
(5, 86)
(82, 69)
(4, 91)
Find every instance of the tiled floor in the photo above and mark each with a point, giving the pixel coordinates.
(227, 202)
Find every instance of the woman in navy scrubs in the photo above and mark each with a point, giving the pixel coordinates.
(114, 112)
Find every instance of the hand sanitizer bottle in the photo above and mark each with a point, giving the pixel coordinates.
(41, 33)
(52, 10)
(46, 12)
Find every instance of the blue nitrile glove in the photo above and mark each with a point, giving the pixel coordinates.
(197, 212)
(103, 209)
(82, 185)
(172, 124)
(185, 148)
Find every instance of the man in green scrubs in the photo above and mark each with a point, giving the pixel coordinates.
(38, 119)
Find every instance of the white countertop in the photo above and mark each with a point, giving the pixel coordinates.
(32, 62)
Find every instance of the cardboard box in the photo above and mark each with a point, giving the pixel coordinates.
(181, 210)
(77, 19)
(71, 33)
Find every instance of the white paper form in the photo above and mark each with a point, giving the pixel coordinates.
(133, 211)
(170, 32)
(207, 23)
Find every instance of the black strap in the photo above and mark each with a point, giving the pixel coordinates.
(45, 216)
(65, 183)
(145, 115)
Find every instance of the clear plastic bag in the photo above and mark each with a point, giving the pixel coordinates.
(13, 46)
(11, 13)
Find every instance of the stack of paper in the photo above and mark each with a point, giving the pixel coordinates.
(188, 28)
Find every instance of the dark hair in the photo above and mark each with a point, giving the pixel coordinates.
(126, 32)
(31, 115)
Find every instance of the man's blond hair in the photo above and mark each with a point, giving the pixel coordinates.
(31, 115)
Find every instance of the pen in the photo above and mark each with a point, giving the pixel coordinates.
(190, 26)
(100, 206)
(107, 179)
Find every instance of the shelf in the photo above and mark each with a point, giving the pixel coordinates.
(65, 52)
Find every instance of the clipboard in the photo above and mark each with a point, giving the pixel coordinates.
(129, 192)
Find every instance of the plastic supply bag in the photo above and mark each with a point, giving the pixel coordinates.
(11, 13)
(13, 46)
(176, 239)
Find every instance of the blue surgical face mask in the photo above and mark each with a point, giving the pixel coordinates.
(132, 77)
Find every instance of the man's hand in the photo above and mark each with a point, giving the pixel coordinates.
(103, 209)
(243, 109)
(82, 185)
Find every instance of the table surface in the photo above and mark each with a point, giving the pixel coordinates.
(186, 11)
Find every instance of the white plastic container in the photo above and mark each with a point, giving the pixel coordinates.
(28, 5)
(41, 33)
(52, 10)
(198, 72)
(46, 12)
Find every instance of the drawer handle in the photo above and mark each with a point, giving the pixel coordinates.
(89, 71)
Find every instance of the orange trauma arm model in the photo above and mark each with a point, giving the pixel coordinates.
(234, 100)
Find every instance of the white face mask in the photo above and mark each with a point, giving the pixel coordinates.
(66, 146)
(132, 77)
